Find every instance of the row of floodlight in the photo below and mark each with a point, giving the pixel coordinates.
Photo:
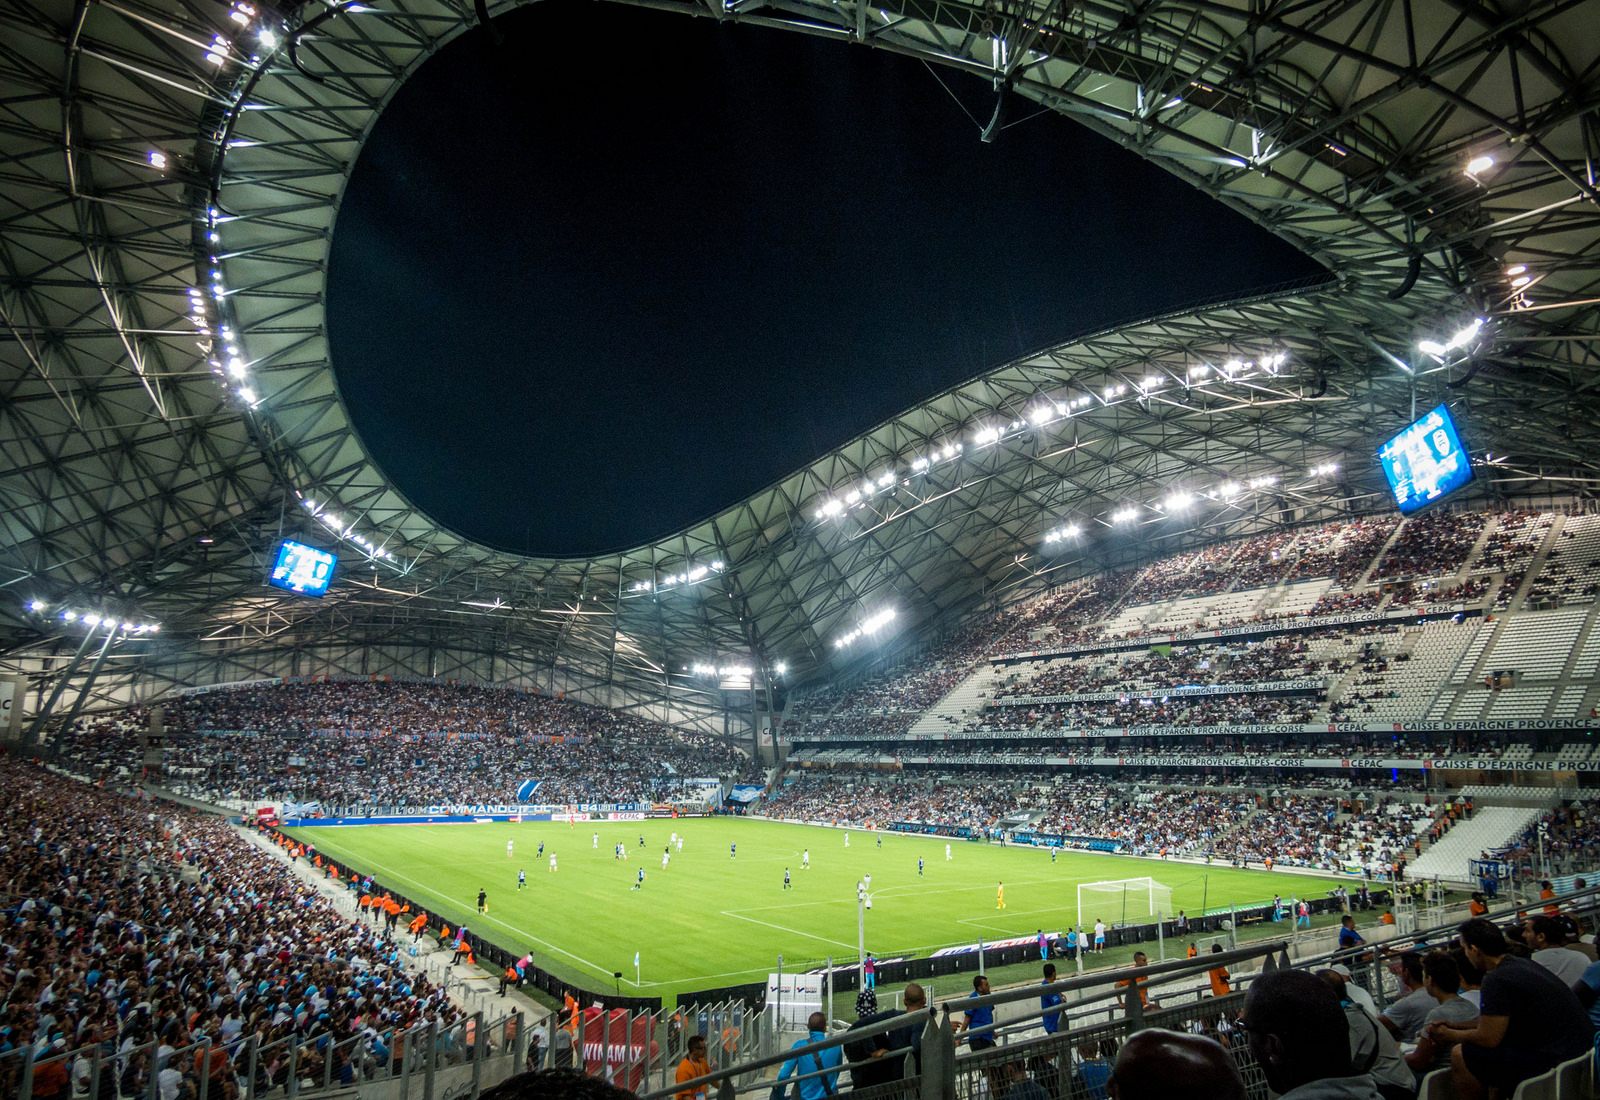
(346, 531)
(694, 574)
(1039, 414)
(94, 619)
(1179, 501)
(866, 628)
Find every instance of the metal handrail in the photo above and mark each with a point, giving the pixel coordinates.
(1166, 971)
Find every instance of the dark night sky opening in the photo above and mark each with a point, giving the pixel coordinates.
(628, 268)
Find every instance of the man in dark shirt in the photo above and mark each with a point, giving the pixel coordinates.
(873, 1058)
(1529, 1023)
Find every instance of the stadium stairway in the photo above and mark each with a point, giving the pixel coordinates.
(472, 989)
(1490, 828)
(960, 704)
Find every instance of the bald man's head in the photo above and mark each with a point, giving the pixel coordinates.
(1151, 1061)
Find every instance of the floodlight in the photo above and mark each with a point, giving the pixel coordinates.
(268, 40)
(1199, 370)
(1123, 515)
(158, 159)
(919, 464)
(36, 606)
(1151, 384)
(92, 620)
(1041, 413)
(1479, 164)
(236, 367)
(1516, 269)
(1179, 501)
(247, 394)
(1229, 489)
(986, 435)
(1430, 347)
(1521, 280)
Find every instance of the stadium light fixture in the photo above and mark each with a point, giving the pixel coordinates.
(986, 435)
(1178, 501)
(1478, 165)
(1461, 339)
(1229, 489)
(1062, 533)
(267, 38)
(1124, 515)
(1324, 469)
(868, 626)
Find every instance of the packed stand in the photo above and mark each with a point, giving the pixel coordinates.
(362, 747)
(1273, 659)
(126, 925)
(1432, 544)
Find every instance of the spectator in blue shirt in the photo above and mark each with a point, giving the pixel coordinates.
(1348, 936)
(1047, 1001)
(824, 1085)
(1094, 1070)
(979, 1024)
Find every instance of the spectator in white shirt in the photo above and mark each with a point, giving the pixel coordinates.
(1548, 939)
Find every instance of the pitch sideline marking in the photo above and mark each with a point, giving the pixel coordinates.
(493, 920)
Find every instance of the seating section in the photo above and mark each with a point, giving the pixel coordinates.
(1571, 574)
(1491, 829)
(112, 912)
(368, 747)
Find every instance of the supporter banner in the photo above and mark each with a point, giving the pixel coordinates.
(1242, 630)
(300, 809)
(1186, 691)
(745, 792)
(525, 791)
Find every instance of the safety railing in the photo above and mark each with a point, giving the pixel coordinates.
(936, 1062)
(1102, 1005)
(423, 1062)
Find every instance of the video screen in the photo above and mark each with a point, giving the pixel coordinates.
(301, 569)
(1425, 462)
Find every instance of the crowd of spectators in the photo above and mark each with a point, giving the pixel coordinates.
(1236, 824)
(141, 929)
(382, 747)
(1254, 662)
(1211, 710)
(1430, 545)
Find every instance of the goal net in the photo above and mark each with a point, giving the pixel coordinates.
(1123, 901)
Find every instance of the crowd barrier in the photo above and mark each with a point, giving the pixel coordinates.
(423, 1062)
(1101, 1011)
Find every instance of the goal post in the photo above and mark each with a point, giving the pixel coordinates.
(1119, 901)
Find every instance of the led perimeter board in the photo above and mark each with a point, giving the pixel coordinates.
(1425, 462)
(301, 569)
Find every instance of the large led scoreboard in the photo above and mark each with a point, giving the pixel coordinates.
(1425, 462)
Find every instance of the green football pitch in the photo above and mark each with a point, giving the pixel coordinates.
(714, 919)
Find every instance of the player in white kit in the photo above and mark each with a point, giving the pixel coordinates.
(508, 849)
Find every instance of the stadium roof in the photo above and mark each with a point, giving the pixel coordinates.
(172, 176)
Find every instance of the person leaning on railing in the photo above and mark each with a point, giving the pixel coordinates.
(822, 1085)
